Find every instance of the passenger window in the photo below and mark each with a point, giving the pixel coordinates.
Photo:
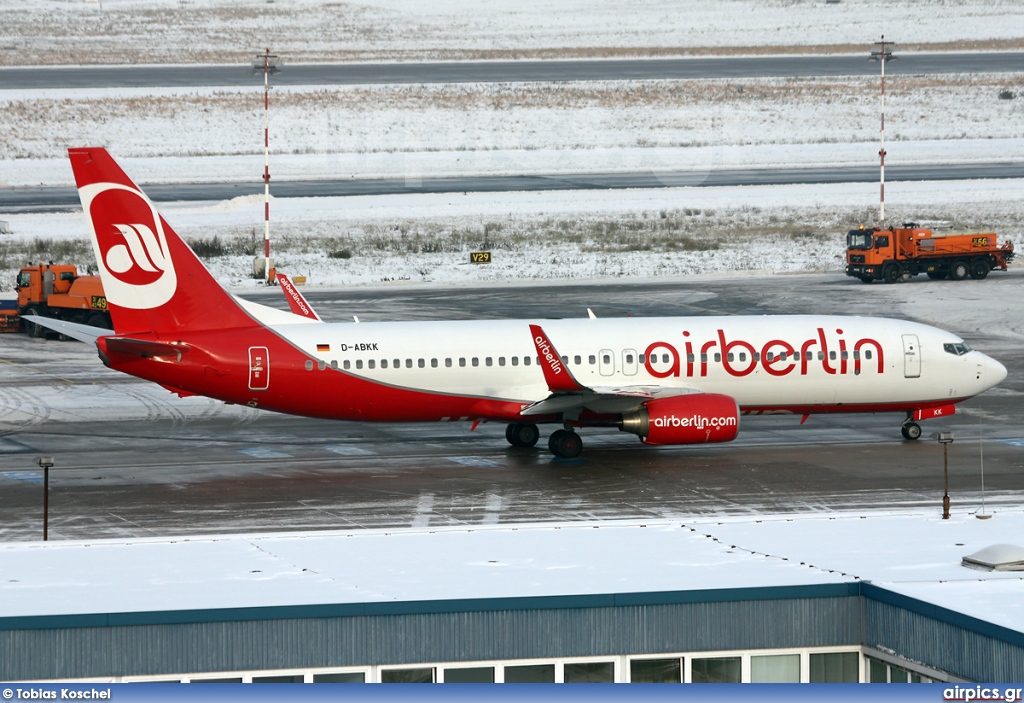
(515, 361)
(832, 356)
(526, 361)
(704, 358)
(348, 364)
(629, 358)
(408, 363)
(433, 363)
(592, 359)
(565, 360)
(501, 361)
(321, 365)
(689, 357)
(334, 364)
(489, 361)
(309, 365)
(728, 356)
(607, 359)
(397, 364)
(448, 363)
(642, 359)
(867, 354)
(783, 356)
(821, 356)
(718, 357)
(370, 364)
(845, 355)
(359, 363)
(769, 357)
(577, 360)
(476, 361)
(383, 363)
(462, 361)
(421, 363)
(856, 356)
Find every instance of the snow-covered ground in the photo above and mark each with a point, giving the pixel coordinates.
(231, 31)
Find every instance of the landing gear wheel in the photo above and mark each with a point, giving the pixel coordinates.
(979, 269)
(565, 444)
(959, 270)
(891, 273)
(911, 430)
(524, 436)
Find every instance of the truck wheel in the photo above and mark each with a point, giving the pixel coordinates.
(97, 319)
(866, 279)
(31, 328)
(979, 269)
(959, 270)
(891, 273)
(937, 275)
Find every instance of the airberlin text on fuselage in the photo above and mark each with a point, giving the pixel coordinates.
(777, 357)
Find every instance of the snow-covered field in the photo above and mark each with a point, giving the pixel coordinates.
(410, 131)
(42, 32)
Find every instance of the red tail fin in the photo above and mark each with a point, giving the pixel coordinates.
(152, 280)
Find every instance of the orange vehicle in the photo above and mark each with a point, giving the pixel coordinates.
(891, 254)
(56, 290)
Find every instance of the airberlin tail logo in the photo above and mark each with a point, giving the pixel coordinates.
(130, 246)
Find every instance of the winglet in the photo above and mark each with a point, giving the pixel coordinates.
(296, 301)
(556, 373)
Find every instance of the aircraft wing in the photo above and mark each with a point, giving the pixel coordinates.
(568, 394)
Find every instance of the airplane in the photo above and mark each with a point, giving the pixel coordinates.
(670, 381)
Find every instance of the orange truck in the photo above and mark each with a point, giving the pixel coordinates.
(891, 254)
(57, 291)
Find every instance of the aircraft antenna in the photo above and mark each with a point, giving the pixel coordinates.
(266, 63)
(882, 55)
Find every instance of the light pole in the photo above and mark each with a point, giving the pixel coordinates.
(945, 439)
(266, 63)
(882, 54)
(45, 462)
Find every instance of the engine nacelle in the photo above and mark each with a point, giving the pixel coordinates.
(697, 418)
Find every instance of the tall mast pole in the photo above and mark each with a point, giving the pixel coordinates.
(882, 55)
(267, 63)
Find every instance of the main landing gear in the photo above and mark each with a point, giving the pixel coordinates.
(564, 444)
(911, 430)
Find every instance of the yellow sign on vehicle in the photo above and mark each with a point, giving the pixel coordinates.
(99, 302)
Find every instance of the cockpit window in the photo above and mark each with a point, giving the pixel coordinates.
(958, 349)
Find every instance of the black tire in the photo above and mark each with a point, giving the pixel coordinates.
(911, 430)
(98, 319)
(522, 435)
(31, 328)
(937, 275)
(891, 273)
(979, 269)
(565, 444)
(866, 279)
(959, 270)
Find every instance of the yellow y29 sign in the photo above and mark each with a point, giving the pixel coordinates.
(479, 257)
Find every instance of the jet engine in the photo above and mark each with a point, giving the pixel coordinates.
(697, 418)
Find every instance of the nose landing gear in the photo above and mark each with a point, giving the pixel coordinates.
(910, 430)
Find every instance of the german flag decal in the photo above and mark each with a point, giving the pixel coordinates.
(323, 347)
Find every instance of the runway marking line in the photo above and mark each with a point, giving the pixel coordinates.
(29, 368)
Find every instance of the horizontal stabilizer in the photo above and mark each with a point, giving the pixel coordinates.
(75, 330)
(144, 347)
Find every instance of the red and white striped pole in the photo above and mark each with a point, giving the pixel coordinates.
(882, 55)
(269, 65)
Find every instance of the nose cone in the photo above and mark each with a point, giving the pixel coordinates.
(995, 373)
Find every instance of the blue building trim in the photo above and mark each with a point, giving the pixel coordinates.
(466, 605)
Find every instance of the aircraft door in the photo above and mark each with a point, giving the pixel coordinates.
(259, 368)
(629, 362)
(606, 362)
(911, 356)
